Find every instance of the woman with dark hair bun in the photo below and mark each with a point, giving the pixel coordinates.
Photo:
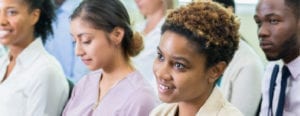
(105, 42)
(32, 82)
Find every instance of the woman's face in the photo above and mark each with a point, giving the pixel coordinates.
(92, 45)
(147, 7)
(16, 22)
(180, 71)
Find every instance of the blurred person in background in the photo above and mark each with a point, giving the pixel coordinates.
(32, 82)
(154, 12)
(61, 45)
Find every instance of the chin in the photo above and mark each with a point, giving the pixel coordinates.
(166, 99)
(271, 58)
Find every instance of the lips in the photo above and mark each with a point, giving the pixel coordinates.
(265, 45)
(86, 61)
(165, 89)
(4, 33)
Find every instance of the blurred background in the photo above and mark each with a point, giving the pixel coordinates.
(245, 10)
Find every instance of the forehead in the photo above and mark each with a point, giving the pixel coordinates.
(273, 7)
(174, 44)
(13, 3)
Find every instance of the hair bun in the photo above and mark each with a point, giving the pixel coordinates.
(137, 45)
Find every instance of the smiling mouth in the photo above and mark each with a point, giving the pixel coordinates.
(3, 33)
(164, 89)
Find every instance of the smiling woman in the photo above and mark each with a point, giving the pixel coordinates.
(31, 80)
(198, 41)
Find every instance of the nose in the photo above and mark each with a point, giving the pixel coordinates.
(79, 50)
(3, 19)
(263, 31)
(162, 71)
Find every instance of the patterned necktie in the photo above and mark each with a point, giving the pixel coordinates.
(285, 74)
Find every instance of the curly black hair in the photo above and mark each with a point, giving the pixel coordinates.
(209, 27)
(294, 5)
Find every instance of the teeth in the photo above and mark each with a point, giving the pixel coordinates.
(3, 33)
(164, 87)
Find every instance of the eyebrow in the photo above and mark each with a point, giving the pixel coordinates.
(271, 14)
(268, 15)
(178, 58)
(81, 34)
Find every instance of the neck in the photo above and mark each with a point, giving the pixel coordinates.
(17, 48)
(292, 57)
(118, 69)
(153, 19)
(293, 53)
(191, 107)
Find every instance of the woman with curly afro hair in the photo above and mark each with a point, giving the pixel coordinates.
(198, 41)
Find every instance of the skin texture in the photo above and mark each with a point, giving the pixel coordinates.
(16, 28)
(277, 30)
(92, 45)
(181, 74)
(17, 23)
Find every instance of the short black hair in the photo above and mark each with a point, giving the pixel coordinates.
(226, 3)
(294, 5)
(43, 27)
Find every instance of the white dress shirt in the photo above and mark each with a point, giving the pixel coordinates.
(35, 87)
(292, 99)
(144, 61)
(241, 81)
(2, 50)
(215, 105)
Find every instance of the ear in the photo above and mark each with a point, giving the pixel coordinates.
(35, 16)
(216, 71)
(117, 35)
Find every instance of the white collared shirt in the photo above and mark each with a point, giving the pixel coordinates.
(292, 99)
(242, 77)
(2, 50)
(35, 87)
(215, 105)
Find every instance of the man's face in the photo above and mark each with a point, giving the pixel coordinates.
(277, 30)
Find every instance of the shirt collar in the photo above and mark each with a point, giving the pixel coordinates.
(213, 104)
(294, 67)
(30, 53)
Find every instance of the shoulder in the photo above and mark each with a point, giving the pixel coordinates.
(164, 109)
(143, 92)
(230, 110)
(47, 65)
(89, 78)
